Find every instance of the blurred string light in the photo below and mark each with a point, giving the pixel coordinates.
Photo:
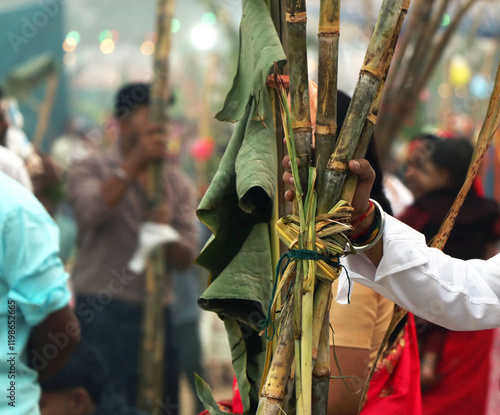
(176, 25)
(74, 35)
(209, 19)
(460, 71)
(461, 91)
(444, 90)
(149, 44)
(147, 47)
(446, 20)
(107, 46)
(71, 41)
(105, 35)
(108, 39)
(69, 45)
(203, 36)
(480, 87)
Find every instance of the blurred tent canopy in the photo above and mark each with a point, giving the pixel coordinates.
(31, 52)
(23, 79)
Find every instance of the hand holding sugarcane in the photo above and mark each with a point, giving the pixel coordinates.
(360, 202)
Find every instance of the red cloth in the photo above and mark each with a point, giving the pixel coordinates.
(395, 386)
(464, 367)
(237, 404)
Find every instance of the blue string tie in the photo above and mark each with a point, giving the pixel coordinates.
(293, 255)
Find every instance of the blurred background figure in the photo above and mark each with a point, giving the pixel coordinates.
(107, 190)
(82, 387)
(455, 366)
(10, 163)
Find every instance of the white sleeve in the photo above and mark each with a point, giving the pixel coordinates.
(456, 294)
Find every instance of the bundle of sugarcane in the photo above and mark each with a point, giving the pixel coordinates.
(419, 52)
(151, 358)
(316, 233)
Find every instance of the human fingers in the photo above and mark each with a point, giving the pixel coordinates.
(366, 177)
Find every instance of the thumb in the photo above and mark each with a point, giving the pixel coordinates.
(366, 177)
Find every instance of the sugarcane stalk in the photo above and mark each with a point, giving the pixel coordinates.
(437, 51)
(306, 360)
(490, 126)
(325, 136)
(326, 116)
(420, 35)
(372, 74)
(414, 21)
(321, 371)
(297, 335)
(151, 359)
(402, 99)
(274, 389)
(296, 19)
(371, 119)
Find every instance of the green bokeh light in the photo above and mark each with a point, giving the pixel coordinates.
(105, 34)
(209, 19)
(176, 25)
(446, 20)
(74, 35)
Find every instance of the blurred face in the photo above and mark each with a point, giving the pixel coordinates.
(422, 175)
(133, 126)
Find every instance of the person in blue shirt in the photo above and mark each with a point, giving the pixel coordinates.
(39, 330)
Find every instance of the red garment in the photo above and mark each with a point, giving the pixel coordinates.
(237, 404)
(395, 386)
(464, 367)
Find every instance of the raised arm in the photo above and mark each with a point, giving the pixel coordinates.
(456, 294)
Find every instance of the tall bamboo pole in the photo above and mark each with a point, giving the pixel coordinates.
(490, 126)
(325, 136)
(296, 20)
(151, 359)
(326, 116)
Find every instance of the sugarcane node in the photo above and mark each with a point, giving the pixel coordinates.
(329, 31)
(371, 118)
(300, 17)
(337, 166)
(299, 126)
(321, 372)
(325, 130)
(375, 73)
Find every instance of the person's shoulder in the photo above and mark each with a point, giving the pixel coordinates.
(10, 159)
(15, 197)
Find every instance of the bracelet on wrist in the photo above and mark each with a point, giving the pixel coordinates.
(368, 239)
(364, 215)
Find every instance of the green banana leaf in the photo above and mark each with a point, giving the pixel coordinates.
(237, 206)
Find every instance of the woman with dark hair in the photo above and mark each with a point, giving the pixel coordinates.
(455, 365)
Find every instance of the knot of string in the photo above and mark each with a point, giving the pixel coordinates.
(293, 255)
